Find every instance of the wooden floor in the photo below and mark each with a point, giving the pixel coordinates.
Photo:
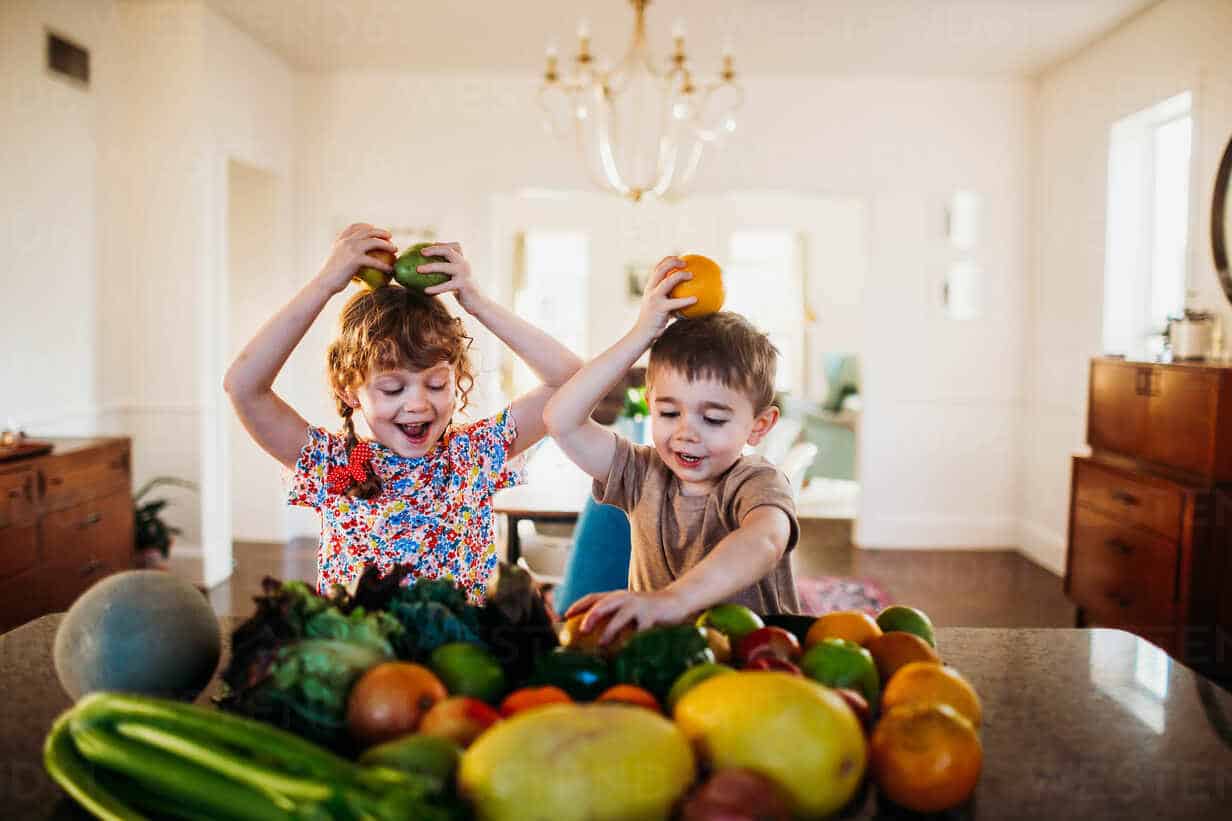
(957, 588)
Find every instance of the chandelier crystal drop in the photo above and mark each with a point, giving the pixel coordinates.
(641, 128)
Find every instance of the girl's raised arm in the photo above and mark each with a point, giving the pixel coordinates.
(273, 424)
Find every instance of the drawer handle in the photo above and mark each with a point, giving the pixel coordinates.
(16, 492)
(1123, 601)
(90, 567)
(90, 521)
(55, 481)
(1119, 546)
(1127, 499)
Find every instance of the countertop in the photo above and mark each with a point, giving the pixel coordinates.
(1088, 724)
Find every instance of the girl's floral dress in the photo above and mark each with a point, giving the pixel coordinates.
(434, 511)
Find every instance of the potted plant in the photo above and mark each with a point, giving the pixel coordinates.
(636, 410)
(153, 536)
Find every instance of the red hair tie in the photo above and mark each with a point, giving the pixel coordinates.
(342, 478)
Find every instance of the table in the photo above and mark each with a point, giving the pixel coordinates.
(556, 492)
(1083, 724)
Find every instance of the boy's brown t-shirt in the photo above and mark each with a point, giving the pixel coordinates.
(672, 532)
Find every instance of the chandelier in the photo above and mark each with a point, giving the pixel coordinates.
(641, 129)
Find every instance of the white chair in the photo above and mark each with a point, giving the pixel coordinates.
(796, 464)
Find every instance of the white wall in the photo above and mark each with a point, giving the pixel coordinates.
(49, 227)
(1175, 46)
(940, 448)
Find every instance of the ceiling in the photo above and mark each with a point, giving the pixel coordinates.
(1016, 38)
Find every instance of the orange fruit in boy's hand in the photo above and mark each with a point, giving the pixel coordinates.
(631, 694)
(528, 698)
(853, 625)
(706, 285)
(922, 682)
(926, 757)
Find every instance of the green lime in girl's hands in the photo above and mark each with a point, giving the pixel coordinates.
(406, 268)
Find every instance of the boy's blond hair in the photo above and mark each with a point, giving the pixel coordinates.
(723, 346)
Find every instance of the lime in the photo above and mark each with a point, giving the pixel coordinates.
(841, 663)
(732, 620)
(692, 677)
(468, 670)
(907, 620)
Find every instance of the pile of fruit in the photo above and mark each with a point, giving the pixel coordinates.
(420, 702)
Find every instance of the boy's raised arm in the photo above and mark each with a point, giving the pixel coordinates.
(586, 442)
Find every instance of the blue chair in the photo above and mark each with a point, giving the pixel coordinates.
(599, 560)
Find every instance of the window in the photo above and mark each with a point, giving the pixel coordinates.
(764, 283)
(550, 292)
(1148, 225)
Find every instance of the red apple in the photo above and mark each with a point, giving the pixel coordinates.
(767, 660)
(858, 705)
(773, 640)
(461, 719)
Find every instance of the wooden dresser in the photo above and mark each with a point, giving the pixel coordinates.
(66, 521)
(1149, 542)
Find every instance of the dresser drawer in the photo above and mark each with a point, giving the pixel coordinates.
(1120, 574)
(23, 598)
(100, 530)
(1154, 505)
(79, 477)
(17, 499)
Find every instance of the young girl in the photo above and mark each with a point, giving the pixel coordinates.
(420, 491)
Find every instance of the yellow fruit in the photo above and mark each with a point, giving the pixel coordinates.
(578, 762)
(926, 757)
(801, 735)
(922, 682)
(706, 285)
(895, 649)
(851, 625)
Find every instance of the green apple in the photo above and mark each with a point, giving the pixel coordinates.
(732, 620)
(841, 663)
(406, 268)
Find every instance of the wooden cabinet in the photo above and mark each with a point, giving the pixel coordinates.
(1148, 549)
(1174, 416)
(66, 521)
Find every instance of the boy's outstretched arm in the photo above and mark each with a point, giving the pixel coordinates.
(551, 361)
(272, 423)
(740, 560)
(586, 442)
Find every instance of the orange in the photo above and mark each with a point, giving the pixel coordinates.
(852, 625)
(706, 285)
(894, 649)
(923, 682)
(571, 636)
(631, 694)
(926, 757)
(529, 698)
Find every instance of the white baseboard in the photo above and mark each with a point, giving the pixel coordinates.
(937, 533)
(1043, 546)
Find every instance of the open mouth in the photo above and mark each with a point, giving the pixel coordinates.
(417, 432)
(688, 460)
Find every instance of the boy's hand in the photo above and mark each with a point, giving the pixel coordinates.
(350, 253)
(461, 281)
(643, 610)
(657, 306)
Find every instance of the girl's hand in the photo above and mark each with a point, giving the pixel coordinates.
(350, 253)
(461, 281)
(657, 306)
(643, 610)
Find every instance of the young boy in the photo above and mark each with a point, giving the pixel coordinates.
(708, 524)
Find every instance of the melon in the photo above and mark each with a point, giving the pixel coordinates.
(578, 762)
(141, 631)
